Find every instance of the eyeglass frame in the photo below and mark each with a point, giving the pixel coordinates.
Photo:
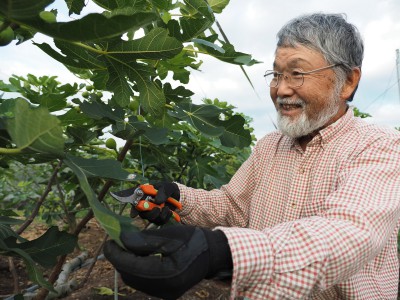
(288, 78)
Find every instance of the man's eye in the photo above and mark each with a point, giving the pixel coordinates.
(296, 74)
(275, 74)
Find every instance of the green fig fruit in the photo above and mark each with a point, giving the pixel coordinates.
(6, 35)
(48, 16)
(111, 143)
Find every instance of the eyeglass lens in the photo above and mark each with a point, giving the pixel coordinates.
(294, 79)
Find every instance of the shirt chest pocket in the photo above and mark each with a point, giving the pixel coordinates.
(320, 188)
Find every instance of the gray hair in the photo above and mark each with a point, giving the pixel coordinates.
(330, 34)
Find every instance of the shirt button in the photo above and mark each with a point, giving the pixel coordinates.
(301, 171)
(293, 204)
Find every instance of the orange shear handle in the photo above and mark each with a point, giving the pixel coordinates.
(150, 190)
(145, 205)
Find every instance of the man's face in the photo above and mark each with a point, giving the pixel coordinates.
(314, 105)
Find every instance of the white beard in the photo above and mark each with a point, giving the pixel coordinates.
(303, 125)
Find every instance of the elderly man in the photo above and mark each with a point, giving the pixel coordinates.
(312, 214)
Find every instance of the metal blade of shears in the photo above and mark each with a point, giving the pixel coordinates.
(127, 196)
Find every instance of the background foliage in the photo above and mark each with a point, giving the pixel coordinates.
(57, 156)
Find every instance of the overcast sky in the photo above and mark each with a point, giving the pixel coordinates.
(251, 26)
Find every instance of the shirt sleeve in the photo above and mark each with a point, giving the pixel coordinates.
(298, 258)
(229, 205)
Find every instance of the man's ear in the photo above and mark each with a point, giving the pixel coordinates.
(351, 83)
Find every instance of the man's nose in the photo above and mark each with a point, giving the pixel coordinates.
(283, 89)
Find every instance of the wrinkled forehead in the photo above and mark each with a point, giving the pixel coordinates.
(298, 47)
(299, 55)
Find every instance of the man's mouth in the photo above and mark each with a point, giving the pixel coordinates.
(290, 106)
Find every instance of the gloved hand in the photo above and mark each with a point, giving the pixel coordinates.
(161, 216)
(167, 262)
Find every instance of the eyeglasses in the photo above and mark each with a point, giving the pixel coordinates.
(294, 79)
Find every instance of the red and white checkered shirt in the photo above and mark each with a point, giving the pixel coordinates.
(315, 224)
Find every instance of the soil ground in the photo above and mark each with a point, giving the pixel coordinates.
(102, 276)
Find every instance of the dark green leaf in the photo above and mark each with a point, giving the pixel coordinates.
(10, 221)
(33, 272)
(192, 28)
(22, 9)
(178, 94)
(201, 7)
(81, 135)
(157, 136)
(127, 10)
(75, 56)
(6, 231)
(103, 168)
(73, 117)
(203, 117)
(235, 135)
(154, 45)
(7, 87)
(100, 79)
(179, 65)
(112, 223)
(230, 55)
(46, 248)
(163, 4)
(174, 29)
(115, 4)
(8, 213)
(157, 155)
(81, 55)
(91, 27)
(130, 129)
(218, 5)
(75, 6)
(53, 102)
(118, 83)
(200, 167)
(209, 44)
(35, 129)
(99, 110)
(152, 98)
(107, 4)
(7, 108)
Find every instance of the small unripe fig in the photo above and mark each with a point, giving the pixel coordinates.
(111, 143)
(85, 94)
(6, 35)
(48, 16)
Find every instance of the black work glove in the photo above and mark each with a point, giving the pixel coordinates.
(167, 262)
(161, 216)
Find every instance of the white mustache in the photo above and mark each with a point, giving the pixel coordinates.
(288, 101)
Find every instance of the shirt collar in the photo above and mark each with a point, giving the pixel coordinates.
(327, 134)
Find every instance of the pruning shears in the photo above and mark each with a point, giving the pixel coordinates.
(142, 199)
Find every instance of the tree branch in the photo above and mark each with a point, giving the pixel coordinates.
(14, 275)
(57, 269)
(41, 200)
(96, 255)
